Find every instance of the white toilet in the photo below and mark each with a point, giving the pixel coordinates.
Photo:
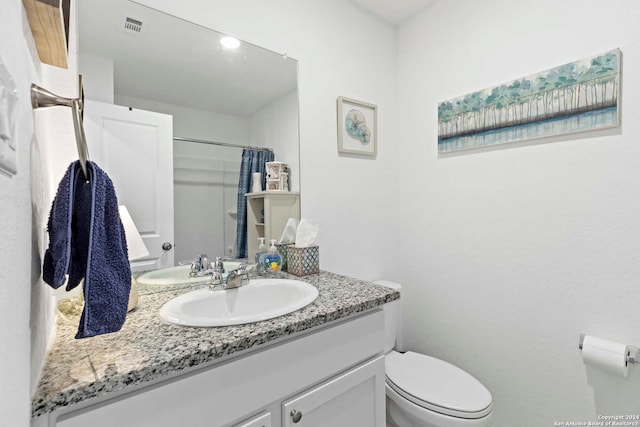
(423, 391)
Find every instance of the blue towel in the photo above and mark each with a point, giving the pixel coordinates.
(87, 240)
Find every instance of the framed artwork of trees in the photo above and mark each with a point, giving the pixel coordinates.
(575, 97)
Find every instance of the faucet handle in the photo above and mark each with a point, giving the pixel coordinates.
(243, 271)
(251, 270)
(195, 269)
(218, 265)
(242, 268)
(203, 262)
(217, 281)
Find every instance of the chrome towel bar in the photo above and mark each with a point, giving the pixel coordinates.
(42, 98)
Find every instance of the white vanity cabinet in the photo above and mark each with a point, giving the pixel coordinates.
(332, 376)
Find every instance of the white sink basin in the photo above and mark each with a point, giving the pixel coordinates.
(176, 275)
(261, 299)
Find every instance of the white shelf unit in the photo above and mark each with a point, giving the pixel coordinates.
(278, 207)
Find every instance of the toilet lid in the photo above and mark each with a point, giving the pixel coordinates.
(437, 385)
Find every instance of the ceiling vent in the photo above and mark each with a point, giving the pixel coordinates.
(132, 26)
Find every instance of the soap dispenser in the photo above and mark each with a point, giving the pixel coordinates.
(273, 260)
(260, 255)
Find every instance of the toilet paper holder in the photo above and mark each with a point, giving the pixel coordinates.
(633, 353)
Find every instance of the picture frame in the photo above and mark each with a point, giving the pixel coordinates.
(357, 127)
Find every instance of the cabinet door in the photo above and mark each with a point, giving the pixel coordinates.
(354, 399)
(263, 420)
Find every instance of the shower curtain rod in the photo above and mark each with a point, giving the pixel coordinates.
(223, 144)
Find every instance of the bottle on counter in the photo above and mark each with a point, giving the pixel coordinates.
(273, 260)
(261, 253)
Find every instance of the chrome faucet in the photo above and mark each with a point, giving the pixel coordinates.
(199, 266)
(234, 279)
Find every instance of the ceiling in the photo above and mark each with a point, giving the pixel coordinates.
(177, 62)
(394, 11)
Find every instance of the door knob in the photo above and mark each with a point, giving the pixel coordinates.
(166, 246)
(296, 416)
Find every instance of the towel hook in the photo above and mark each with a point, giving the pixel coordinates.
(42, 98)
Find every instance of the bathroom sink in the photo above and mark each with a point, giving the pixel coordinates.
(261, 299)
(178, 275)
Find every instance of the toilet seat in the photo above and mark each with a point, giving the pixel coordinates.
(436, 385)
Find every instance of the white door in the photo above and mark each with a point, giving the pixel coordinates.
(135, 148)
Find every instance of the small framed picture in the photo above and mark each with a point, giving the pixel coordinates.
(357, 127)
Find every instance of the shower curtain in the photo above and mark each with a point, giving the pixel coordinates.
(253, 160)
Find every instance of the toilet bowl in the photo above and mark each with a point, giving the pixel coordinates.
(423, 391)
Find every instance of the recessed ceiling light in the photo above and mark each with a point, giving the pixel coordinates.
(229, 42)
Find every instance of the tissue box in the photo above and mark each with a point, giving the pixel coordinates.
(282, 250)
(303, 261)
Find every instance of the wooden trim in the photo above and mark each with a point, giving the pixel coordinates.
(49, 22)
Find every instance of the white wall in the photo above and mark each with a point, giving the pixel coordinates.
(194, 123)
(341, 51)
(26, 303)
(276, 126)
(205, 193)
(97, 77)
(508, 255)
(16, 251)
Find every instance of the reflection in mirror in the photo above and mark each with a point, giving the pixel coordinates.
(168, 111)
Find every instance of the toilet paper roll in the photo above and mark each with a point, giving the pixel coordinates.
(606, 355)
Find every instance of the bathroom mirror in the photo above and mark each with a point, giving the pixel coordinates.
(219, 100)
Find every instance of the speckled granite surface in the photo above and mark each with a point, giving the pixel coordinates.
(148, 348)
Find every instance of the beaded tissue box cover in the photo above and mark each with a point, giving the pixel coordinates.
(303, 261)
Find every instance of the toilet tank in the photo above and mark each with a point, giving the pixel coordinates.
(392, 318)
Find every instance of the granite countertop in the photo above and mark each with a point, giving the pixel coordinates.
(147, 348)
